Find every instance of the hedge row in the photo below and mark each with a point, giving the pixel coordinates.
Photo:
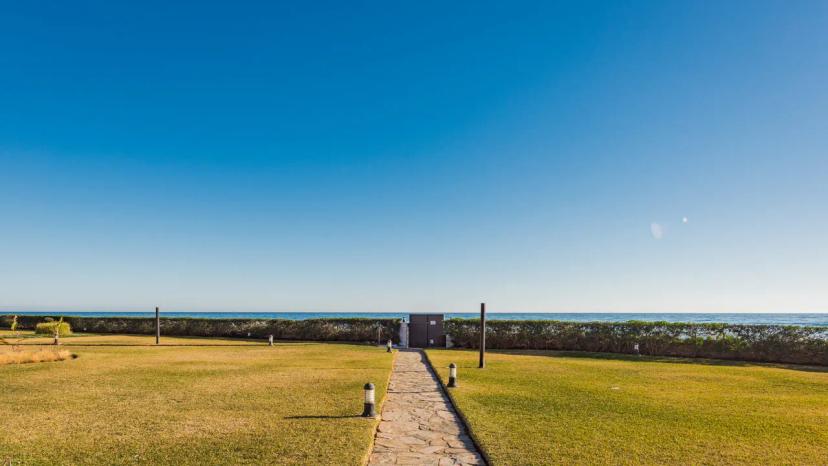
(768, 343)
(358, 330)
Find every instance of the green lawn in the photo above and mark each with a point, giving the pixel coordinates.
(568, 408)
(295, 403)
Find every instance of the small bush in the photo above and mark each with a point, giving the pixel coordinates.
(51, 328)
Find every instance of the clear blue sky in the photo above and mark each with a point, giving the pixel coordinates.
(412, 156)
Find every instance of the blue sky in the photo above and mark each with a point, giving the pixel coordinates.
(352, 156)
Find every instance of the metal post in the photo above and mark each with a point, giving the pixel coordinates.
(482, 335)
(157, 326)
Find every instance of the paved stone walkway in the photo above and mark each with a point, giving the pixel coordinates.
(419, 425)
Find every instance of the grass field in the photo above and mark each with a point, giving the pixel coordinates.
(232, 403)
(567, 408)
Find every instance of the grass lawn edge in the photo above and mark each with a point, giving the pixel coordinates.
(483, 453)
(191, 340)
(366, 457)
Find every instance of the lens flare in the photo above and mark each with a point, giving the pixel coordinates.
(656, 230)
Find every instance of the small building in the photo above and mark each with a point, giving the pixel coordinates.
(426, 331)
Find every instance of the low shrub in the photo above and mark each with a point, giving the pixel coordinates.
(55, 327)
(767, 343)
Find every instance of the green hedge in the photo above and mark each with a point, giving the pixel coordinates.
(768, 343)
(7, 322)
(50, 328)
(358, 330)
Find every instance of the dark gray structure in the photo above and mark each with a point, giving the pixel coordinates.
(426, 331)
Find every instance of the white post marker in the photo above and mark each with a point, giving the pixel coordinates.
(389, 345)
(452, 375)
(403, 334)
(270, 340)
(370, 409)
(635, 349)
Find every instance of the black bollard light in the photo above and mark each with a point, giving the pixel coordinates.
(370, 409)
(389, 345)
(452, 375)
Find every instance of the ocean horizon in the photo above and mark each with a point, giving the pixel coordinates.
(803, 319)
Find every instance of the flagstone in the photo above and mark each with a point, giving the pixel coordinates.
(419, 425)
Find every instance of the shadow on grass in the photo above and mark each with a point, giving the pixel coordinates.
(355, 416)
(656, 359)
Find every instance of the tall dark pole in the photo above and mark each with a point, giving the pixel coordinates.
(157, 326)
(482, 335)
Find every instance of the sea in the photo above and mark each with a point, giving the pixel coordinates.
(803, 319)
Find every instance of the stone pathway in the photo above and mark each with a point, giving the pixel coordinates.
(419, 425)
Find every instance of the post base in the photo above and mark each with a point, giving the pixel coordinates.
(369, 410)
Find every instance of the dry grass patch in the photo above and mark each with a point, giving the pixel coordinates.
(26, 356)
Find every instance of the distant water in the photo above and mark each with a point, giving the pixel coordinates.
(811, 319)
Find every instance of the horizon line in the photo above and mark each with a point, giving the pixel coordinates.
(152, 310)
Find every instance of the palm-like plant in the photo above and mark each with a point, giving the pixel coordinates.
(15, 339)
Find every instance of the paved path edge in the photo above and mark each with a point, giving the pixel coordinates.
(366, 457)
(460, 414)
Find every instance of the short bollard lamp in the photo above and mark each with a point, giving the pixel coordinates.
(370, 409)
(635, 349)
(388, 346)
(452, 375)
(270, 340)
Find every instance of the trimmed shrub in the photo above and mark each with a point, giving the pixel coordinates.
(767, 343)
(50, 328)
(345, 329)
